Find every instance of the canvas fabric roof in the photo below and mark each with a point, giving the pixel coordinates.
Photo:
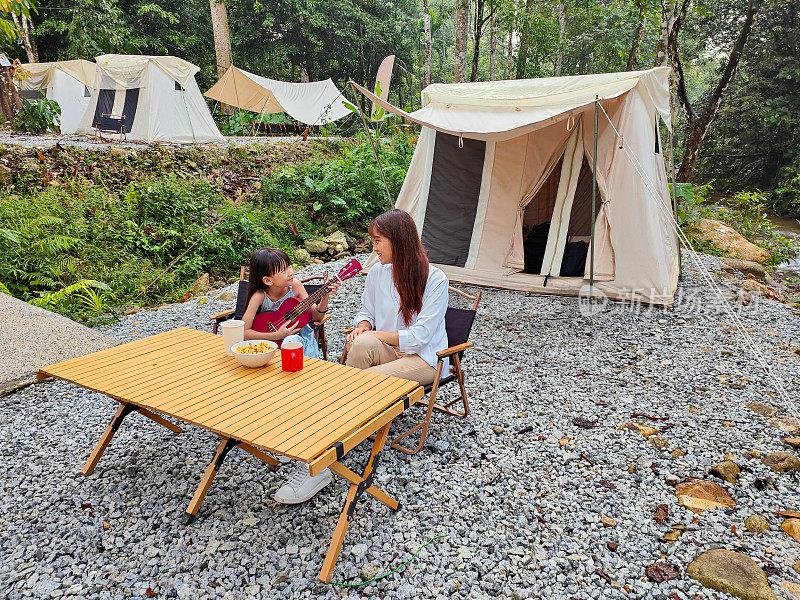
(313, 103)
(472, 181)
(40, 75)
(158, 96)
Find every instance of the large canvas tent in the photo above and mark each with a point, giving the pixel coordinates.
(158, 96)
(500, 164)
(313, 103)
(67, 82)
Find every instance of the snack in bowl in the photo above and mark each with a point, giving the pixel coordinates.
(254, 353)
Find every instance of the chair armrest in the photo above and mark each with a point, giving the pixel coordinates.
(454, 349)
(322, 320)
(222, 315)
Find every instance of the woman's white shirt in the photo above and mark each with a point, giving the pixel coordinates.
(426, 334)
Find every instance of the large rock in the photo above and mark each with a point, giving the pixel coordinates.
(726, 470)
(782, 461)
(756, 524)
(765, 410)
(748, 267)
(731, 572)
(791, 527)
(316, 246)
(337, 242)
(731, 241)
(785, 423)
(698, 495)
(6, 176)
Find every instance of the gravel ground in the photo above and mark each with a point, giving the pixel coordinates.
(521, 513)
(86, 142)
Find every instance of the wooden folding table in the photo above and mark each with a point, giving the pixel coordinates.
(315, 415)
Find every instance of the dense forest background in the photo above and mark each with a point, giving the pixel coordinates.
(752, 140)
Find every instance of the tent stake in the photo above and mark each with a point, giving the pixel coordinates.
(594, 198)
(375, 154)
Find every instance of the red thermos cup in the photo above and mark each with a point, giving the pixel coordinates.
(292, 356)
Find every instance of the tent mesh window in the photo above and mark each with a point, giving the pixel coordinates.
(178, 87)
(456, 176)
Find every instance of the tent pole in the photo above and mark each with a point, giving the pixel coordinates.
(671, 179)
(594, 198)
(375, 154)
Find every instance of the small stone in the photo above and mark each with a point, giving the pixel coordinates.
(368, 571)
(726, 470)
(728, 424)
(677, 453)
(359, 550)
(281, 577)
(672, 536)
(6, 176)
(192, 164)
(794, 442)
(497, 429)
(791, 527)
(608, 522)
(226, 296)
(698, 495)
(292, 549)
(730, 457)
(756, 524)
(796, 566)
(731, 572)
(693, 410)
(106, 525)
(782, 461)
(612, 546)
(754, 453)
(658, 442)
(765, 410)
(644, 430)
(631, 469)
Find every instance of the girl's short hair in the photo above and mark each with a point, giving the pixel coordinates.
(265, 262)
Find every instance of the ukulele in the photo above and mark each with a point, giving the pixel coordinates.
(293, 310)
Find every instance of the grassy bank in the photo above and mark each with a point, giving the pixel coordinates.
(83, 232)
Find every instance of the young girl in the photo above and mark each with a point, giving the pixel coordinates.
(271, 282)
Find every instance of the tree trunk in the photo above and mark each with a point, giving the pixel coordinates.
(460, 58)
(510, 53)
(637, 37)
(698, 125)
(426, 16)
(21, 21)
(492, 43)
(477, 34)
(669, 11)
(562, 27)
(524, 40)
(10, 102)
(222, 42)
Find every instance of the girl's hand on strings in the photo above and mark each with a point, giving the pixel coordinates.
(334, 283)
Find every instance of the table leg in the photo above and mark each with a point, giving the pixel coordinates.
(123, 411)
(225, 446)
(358, 485)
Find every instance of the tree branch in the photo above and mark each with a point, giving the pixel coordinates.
(675, 59)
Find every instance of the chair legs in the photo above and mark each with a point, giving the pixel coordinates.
(460, 377)
(423, 426)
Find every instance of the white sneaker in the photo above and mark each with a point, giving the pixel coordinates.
(301, 486)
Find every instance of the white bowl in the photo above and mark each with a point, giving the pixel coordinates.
(254, 360)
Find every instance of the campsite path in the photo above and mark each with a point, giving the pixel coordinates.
(521, 488)
(91, 143)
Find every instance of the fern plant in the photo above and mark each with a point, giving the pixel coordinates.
(54, 298)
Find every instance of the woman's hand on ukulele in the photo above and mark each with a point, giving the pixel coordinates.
(287, 329)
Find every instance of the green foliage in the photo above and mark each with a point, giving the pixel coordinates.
(243, 123)
(39, 116)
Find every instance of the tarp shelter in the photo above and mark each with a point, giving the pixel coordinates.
(499, 163)
(158, 96)
(67, 82)
(313, 103)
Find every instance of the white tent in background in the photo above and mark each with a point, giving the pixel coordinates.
(313, 103)
(500, 184)
(67, 82)
(158, 96)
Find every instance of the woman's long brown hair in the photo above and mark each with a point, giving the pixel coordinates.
(410, 264)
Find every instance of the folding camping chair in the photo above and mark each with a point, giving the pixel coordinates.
(241, 306)
(458, 324)
(111, 124)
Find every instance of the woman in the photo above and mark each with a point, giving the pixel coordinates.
(400, 326)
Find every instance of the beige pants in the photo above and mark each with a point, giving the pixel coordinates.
(368, 352)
